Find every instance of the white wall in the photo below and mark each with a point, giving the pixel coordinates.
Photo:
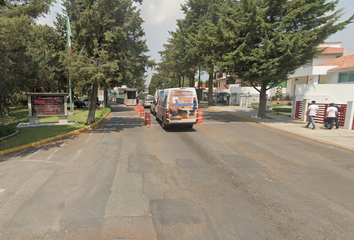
(244, 90)
(290, 86)
(237, 92)
(325, 93)
(331, 44)
(348, 51)
(323, 58)
(330, 78)
(221, 83)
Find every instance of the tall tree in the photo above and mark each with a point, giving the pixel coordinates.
(264, 41)
(108, 38)
(18, 67)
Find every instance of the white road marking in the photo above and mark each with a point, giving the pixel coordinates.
(77, 154)
(50, 156)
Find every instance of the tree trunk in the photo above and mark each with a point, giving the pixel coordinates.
(263, 100)
(2, 114)
(105, 96)
(211, 87)
(92, 106)
(191, 81)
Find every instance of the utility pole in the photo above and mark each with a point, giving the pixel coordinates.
(199, 86)
(68, 33)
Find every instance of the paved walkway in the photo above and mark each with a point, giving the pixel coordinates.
(339, 137)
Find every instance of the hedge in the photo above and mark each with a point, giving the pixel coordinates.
(282, 109)
(6, 130)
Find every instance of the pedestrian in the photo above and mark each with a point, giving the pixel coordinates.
(312, 112)
(331, 114)
(137, 100)
(337, 118)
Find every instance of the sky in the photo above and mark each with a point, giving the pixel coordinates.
(160, 17)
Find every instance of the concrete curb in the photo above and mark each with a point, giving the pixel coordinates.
(54, 138)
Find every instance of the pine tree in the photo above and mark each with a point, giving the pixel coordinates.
(264, 41)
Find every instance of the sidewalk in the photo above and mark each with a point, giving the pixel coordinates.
(338, 137)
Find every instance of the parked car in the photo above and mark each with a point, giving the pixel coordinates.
(79, 104)
(87, 103)
(148, 101)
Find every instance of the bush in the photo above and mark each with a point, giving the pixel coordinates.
(23, 102)
(6, 130)
(282, 109)
(106, 110)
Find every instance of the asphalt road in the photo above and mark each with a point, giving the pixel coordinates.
(224, 179)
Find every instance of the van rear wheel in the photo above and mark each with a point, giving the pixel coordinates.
(163, 124)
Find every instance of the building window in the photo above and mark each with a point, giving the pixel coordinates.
(308, 64)
(346, 77)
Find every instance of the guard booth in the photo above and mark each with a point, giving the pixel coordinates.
(126, 96)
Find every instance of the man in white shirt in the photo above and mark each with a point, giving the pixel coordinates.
(312, 112)
(331, 113)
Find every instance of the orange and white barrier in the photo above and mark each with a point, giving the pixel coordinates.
(147, 118)
(200, 116)
(141, 111)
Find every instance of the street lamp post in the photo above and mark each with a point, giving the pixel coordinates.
(199, 86)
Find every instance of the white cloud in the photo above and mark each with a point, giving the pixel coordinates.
(48, 19)
(156, 12)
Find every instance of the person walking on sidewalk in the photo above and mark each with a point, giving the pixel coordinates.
(337, 118)
(332, 114)
(312, 112)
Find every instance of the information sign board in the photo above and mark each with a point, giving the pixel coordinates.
(47, 105)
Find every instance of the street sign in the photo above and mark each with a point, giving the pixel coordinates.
(100, 95)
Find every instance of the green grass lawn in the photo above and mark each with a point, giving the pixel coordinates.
(19, 114)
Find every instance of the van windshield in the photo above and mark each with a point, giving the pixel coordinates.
(149, 99)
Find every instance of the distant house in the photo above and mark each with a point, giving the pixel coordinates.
(340, 70)
(327, 78)
(203, 85)
(224, 81)
(315, 71)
